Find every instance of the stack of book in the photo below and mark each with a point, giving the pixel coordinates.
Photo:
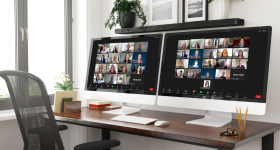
(99, 104)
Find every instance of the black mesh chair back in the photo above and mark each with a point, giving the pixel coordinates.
(33, 111)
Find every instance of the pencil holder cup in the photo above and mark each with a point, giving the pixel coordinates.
(242, 126)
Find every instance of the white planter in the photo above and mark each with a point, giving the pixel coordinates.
(224, 8)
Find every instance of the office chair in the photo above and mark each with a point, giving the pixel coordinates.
(35, 115)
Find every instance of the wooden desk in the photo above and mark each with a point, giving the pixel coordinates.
(177, 131)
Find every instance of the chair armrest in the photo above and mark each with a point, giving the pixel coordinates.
(39, 130)
(46, 129)
(62, 127)
(98, 145)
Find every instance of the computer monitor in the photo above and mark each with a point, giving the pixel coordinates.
(216, 70)
(124, 69)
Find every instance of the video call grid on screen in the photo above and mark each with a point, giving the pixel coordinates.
(229, 78)
(212, 58)
(116, 62)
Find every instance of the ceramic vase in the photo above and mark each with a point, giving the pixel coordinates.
(129, 20)
(224, 8)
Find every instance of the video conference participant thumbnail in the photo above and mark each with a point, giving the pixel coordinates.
(183, 44)
(141, 46)
(138, 68)
(194, 73)
(103, 48)
(136, 79)
(182, 63)
(241, 42)
(113, 58)
(195, 63)
(240, 53)
(128, 47)
(225, 42)
(207, 84)
(208, 63)
(184, 54)
(222, 74)
(225, 53)
(223, 64)
(238, 74)
(112, 68)
(125, 58)
(102, 58)
(197, 43)
(208, 73)
(124, 69)
(196, 54)
(123, 79)
(239, 63)
(111, 78)
(100, 68)
(98, 78)
(181, 73)
(139, 57)
(210, 53)
(211, 43)
(115, 47)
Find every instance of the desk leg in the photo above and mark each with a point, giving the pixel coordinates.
(106, 136)
(268, 142)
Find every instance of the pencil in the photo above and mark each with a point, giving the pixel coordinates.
(237, 116)
(240, 118)
(245, 118)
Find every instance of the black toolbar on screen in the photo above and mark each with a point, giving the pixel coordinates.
(226, 64)
(125, 64)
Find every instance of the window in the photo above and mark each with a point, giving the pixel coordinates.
(46, 45)
(7, 47)
(46, 50)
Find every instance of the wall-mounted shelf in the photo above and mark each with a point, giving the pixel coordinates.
(183, 26)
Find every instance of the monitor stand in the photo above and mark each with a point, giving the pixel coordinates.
(128, 108)
(213, 119)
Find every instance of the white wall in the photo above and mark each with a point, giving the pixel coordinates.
(93, 22)
(11, 139)
(86, 16)
(255, 13)
(9, 135)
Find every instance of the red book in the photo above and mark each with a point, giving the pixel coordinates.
(98, 106)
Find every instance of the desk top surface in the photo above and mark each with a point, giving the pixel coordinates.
(178, 130)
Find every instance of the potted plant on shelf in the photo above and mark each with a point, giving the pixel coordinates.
(122, 14)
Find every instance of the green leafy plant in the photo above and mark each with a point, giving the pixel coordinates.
(124, 6)
(1, 96)
(65, 86)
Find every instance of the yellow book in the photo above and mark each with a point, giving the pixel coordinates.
(98, 102)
